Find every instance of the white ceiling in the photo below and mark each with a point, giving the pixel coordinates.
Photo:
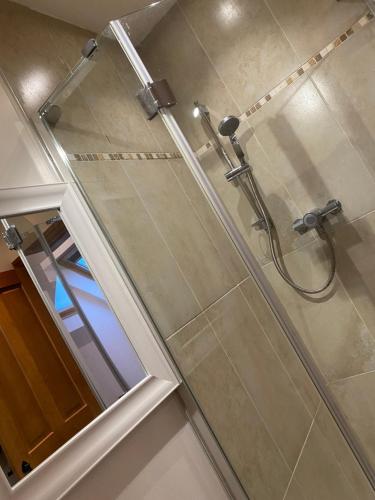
(89, 14)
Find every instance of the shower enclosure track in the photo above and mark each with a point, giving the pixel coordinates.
(252, 265)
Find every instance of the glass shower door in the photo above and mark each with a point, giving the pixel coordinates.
(192, 266)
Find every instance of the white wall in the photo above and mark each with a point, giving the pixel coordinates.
(22, 162)
(161, 460)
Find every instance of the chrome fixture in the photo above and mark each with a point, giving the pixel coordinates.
(316, 217)
(234, 172)
(312, 220)
(155, 96)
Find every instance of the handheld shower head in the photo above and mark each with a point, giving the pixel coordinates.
(229, 125)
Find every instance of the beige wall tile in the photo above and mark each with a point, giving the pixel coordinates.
(355, 244)
(229, 411)
(77, 130)
(318, 473)
(114, 107)
(68, 40)
(346, 82)
(329, 324)
(281, 344)
(344, 455)
(174, 215)
(295, 492)
(172, 51)
(145, 254)
(355, 396)
(310, 154)
(209, 219)
(262, 373)
(133, 85)
(310, 25)
(27, 55)
(244, 43)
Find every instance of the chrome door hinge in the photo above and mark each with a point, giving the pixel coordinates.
(12, 238)
(154, 96)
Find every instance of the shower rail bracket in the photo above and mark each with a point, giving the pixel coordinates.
(155, 96)
(236, 172)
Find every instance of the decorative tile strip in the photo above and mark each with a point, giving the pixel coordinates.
(310, 63)
(298, 73)
(122, 156)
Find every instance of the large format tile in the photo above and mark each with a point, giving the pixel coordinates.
(141, 247)
(210, 221)
(114, 107)
(68, 40)
(355, 247)
(245, 44)
(355, 396)
(310, 25)
(229, 411)
(328, 323)
(77, 129)
(344, 455)
(318, 473)
(281, 344)
(130, 80)
(174, 215)
(310, 154)
(346, 82)
(27, 55)
(172, 51)
(261, 372)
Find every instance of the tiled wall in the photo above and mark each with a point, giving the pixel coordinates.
(256, 395)
(311, 142)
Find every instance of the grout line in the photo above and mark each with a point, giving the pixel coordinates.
(249, 395)
(163, 239)
(302, 450)
(273, 348)
(344, 379)
(202, 46)
(207, 308)
(206, 227)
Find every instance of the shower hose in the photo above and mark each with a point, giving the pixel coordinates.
(270, 228)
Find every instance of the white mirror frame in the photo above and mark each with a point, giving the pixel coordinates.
(70, 463)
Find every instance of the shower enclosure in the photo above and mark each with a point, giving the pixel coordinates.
(281, 377)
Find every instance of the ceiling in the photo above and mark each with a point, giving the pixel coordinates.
(90, 14)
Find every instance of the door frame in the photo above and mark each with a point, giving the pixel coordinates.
(69, 464)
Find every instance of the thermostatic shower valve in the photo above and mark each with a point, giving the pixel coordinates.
(316, 217)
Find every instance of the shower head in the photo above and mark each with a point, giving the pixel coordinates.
(229, 125)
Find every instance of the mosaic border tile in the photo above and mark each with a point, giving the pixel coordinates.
(254, 108)
(122, 156)
(298, 73)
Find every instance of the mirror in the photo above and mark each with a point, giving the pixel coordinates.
(64, 356)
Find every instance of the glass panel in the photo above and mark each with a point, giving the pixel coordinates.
(232, 59)
(245, 375)
(89, 339)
